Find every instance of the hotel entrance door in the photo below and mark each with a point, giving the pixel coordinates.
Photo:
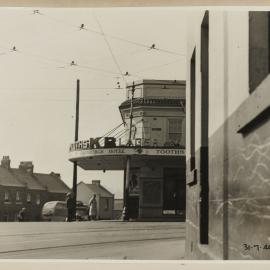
(174, 192)
(133, 207)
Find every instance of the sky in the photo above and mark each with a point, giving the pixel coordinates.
(38, 84)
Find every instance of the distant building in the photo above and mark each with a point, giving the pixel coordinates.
(22, 187)
(149, 147)
(105, 199)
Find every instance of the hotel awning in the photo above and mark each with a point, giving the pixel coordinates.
(115, 158)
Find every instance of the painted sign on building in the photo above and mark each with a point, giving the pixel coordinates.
(119, 151)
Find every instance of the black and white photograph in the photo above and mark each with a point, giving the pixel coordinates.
(134, 133)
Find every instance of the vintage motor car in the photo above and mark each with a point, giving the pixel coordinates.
(57, 211)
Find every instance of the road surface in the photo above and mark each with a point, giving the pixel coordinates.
(92, 240)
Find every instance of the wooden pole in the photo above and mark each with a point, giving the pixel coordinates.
(74, 188)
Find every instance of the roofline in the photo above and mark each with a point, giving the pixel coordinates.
(48, 174)
(104, 189)
(157, 82)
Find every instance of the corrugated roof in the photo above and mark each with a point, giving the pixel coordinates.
(8, 179)
(52, 182)
(27, 179)
(99, 190)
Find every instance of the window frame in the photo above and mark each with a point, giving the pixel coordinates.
(6, 196)
(180, 133)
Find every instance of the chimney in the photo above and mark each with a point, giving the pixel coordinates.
(96, 182)
(27, 166)
(5, 162)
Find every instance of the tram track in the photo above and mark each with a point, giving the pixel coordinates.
(90, 230)
(17, 251)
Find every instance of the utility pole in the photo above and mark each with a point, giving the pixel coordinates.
(74, 188)
(129, 143)
(128, 163)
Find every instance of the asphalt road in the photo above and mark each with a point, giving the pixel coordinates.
(93, 240)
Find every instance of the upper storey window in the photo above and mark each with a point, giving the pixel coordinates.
(175, 130)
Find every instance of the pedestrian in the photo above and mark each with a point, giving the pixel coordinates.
(21, 215)
(70, 207)
(93, 208)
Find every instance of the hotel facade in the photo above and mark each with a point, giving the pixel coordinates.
(149, 147)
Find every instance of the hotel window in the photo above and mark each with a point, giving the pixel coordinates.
(6, 196)
(259, 53)
(28, 198)
(18, 196)
(38, 199)
(175, 130)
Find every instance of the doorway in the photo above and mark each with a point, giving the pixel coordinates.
(174, 192)
(133, 207)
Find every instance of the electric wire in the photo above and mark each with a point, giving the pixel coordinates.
(112, 130)
(66, 64)
(34, 89)
(101, 33)
(120, 135)
(110, 48)
(158, 66)
(115, 135)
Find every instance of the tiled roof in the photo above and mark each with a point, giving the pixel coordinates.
(99, 190)
(35, 181)
(52, 182)
(8, 179)
(27, 179)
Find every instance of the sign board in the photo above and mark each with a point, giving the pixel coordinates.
(128, 151)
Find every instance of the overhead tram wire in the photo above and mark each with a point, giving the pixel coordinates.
(113, 36)
(45, 89)
(156, 67)
(110, 49)
(16, 50)
(132, 53)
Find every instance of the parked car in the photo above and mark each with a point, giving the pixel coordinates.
(57, 211)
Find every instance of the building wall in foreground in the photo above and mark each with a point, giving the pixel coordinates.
(238, 172)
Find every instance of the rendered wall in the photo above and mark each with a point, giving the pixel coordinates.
(239, 170)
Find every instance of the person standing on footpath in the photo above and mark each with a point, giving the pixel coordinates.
(93, 208)
(70, 207)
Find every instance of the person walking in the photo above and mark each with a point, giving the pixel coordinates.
(93, 208)
(70, 206)
(21, 215)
